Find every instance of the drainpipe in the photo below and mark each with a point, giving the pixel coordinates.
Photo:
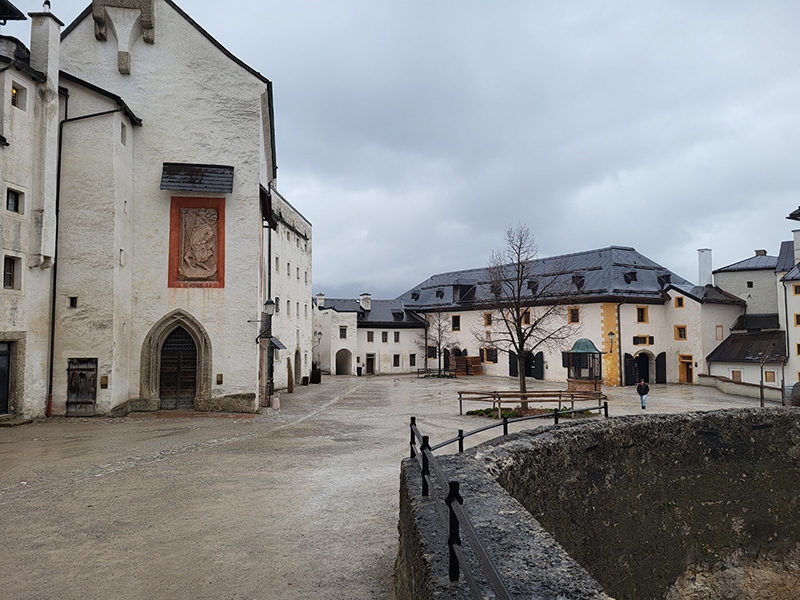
(54, 285)
(619, 346)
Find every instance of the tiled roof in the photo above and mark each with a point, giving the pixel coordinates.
(382, 313)
(751, 348)
(785, 257)
(754, 263)
(607, 274)
(215, 179)
(755, 322)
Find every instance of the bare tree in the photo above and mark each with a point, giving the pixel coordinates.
(529, 306)
(436, 336)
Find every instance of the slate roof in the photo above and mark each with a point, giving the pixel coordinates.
(615, 273)
(710, 294)
(751, 347)
(754, 263)
(785, 257)
(756, 322)
(382, 313)
(9, 12)
(183, 177)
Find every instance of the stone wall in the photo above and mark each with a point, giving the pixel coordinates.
(700, 505)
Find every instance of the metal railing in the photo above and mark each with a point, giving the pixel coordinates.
(450, 507)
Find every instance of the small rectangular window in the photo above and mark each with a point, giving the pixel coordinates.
(642, 314)
(412, 360)
(288, 269)
(277, 305)
(720, 332)
(385, 337)
(11, 273)
(123, 134)
(680, 332)
(526, 317)
(396, 360)
(396, 337)
(679, 302)
(797, 320)
(73, 302)
(487, 319)
(736, 376)
(769, 376)
(19, 96)
(342, 333)
(574, 315)
(797, 349)
(14, 201)
(277, 264)
(298, 273)
(749, 284)
(432, 351)
(456, 323)
(370, 336)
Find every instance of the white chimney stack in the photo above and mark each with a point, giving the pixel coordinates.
(320, 300)
(705, 268)
(796, 234)
(365, 300)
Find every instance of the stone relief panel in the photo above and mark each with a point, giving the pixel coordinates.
(197, 242)
(198, 245)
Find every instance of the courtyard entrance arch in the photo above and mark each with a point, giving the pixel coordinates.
(344, 362)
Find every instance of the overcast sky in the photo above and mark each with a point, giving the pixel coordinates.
(411, 133)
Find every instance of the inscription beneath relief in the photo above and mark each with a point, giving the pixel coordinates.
(199, 245)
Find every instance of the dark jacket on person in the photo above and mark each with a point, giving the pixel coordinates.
(643, 389)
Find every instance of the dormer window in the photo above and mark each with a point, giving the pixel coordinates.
(533, 286)
(578, 281)
(440, 293)
(398, 315)
(630, 276)
(415, 296)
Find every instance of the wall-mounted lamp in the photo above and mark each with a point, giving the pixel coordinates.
(269, 307)
(611, 337)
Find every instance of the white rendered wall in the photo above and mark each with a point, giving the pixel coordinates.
(761, 298)
(385, 352)
(197, 106)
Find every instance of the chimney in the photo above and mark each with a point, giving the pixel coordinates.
(796, 233)
(320, 300)
(45, 44)
(365, 300)
(704, 264)
(45, 51)
(761, 252)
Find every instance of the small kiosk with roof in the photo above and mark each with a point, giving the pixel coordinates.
(584, 367)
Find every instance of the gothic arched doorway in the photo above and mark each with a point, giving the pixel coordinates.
(344, 362)
(151, 366)
(178, 371)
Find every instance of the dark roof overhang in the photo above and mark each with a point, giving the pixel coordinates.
(766, 347)
(135, 121)
(9, 12)
(186, 177)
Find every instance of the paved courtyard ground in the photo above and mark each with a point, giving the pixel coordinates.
(295, 504)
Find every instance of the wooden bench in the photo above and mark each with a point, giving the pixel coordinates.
(498, 398)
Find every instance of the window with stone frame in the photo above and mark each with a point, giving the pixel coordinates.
(342, 333)
(370, 336)
(14, 201)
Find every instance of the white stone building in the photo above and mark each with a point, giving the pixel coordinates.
(139, 241)
(663, 326)
(368, 337)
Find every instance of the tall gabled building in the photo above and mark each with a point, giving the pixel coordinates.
(139, 178)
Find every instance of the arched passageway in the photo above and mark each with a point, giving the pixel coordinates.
(344, 362)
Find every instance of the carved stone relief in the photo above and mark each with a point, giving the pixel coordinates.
(198, 245)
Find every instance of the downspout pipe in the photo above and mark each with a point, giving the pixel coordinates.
(54, 286)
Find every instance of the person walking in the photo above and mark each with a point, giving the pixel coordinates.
(643, 389)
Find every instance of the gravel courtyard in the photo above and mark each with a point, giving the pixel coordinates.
(294, 504)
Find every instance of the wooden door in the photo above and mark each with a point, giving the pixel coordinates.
(5, 376)
(686, 372)
(178, 385)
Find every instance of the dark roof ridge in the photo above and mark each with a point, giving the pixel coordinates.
(88, 10)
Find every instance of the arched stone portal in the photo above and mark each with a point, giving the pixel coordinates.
(150, 375)
(344, 362)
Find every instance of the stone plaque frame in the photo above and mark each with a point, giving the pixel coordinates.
(185, 213)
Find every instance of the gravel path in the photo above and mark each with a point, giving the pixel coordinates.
(295, 504)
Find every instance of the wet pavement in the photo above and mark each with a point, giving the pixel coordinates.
(294, 504)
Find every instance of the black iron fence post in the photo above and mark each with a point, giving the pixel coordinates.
(605, 409)
(555, 415)
(505, 425)
(461, 440)
(426, 471)
(413, 437)
(453, 533)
